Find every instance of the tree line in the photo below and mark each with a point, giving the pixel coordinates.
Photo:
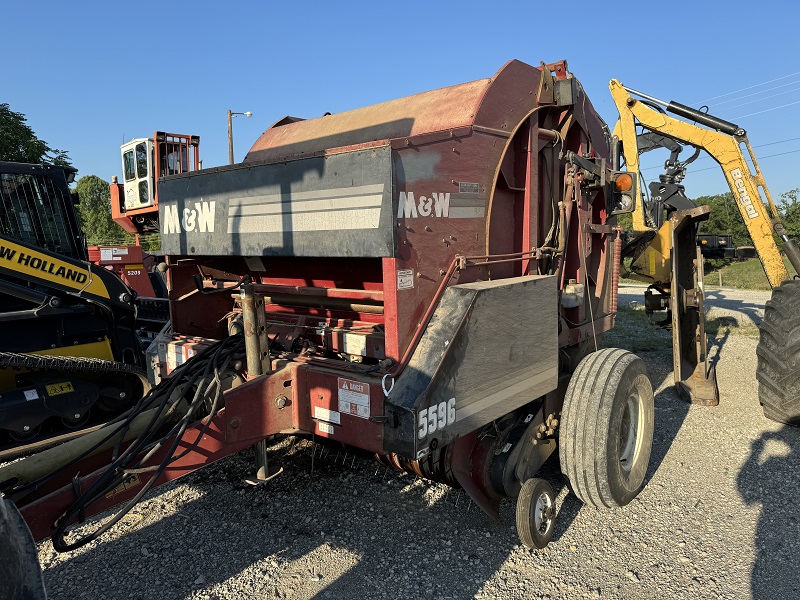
(726, 219)
(19, 143)
(94, 214)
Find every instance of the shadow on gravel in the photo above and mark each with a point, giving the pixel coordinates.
(717, 299)
(715, 346)
(406, 537)
(670, 409)
(769, 477)
(567, 513)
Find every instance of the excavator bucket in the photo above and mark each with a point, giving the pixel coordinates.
(695, 377)
(20, 574)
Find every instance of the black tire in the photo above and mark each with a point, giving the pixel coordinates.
(606, 431)
(778, 351)
(536, 513)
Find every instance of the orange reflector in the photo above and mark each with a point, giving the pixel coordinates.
(624, 182)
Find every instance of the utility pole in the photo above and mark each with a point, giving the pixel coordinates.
(230, 132)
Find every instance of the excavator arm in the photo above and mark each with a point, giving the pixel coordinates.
(667, 256)
(725, 143)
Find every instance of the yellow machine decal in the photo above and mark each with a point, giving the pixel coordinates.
(41, 265)
(54, 389)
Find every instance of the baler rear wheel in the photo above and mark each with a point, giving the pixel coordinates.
(778, 351)
(536, 513)
(606, 431)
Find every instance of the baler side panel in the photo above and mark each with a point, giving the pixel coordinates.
(338, 205)
(457, 366)
(442, 194)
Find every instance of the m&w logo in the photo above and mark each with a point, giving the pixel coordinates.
(200, 219)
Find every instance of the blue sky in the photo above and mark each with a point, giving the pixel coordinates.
(90, 75)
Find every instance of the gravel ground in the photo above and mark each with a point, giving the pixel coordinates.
(718, 518)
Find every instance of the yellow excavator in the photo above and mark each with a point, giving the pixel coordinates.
(664, 252)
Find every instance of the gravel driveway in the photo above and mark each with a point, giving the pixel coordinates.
(718, 518)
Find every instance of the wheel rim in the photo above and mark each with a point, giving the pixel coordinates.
(629, 431)
(543, 513)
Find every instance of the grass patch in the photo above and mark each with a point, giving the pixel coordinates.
(635, 332)
(745, 275)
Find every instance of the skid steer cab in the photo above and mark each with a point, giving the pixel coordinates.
(426, 281)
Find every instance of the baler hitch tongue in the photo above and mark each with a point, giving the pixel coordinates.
(695, 376)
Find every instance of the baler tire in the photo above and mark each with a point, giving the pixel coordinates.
(606, 431)
(536, 513)
(778, 351)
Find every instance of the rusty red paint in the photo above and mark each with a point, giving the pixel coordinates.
(129, 262)
(42, 512)
(488, 144)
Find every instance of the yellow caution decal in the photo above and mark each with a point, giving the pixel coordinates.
(130, 482)
(54, 389)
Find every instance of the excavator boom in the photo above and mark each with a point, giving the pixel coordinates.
(725, 144)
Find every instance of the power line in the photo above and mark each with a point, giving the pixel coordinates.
(761, 99)
(778, 142)
(756, 93)
(750, 87)
(767, 110)
(707, 157)
(760, 159)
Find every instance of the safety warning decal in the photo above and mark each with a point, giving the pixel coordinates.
(130, 482)
(405, 279)
(59, 388)
(354, 398)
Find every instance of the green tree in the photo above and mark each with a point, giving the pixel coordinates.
(94, 213)
(789, 205)
(18, 142)
(151, 243)
(725, 218)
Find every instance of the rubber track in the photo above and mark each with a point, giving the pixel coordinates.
(778, 352)
(63, 364)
